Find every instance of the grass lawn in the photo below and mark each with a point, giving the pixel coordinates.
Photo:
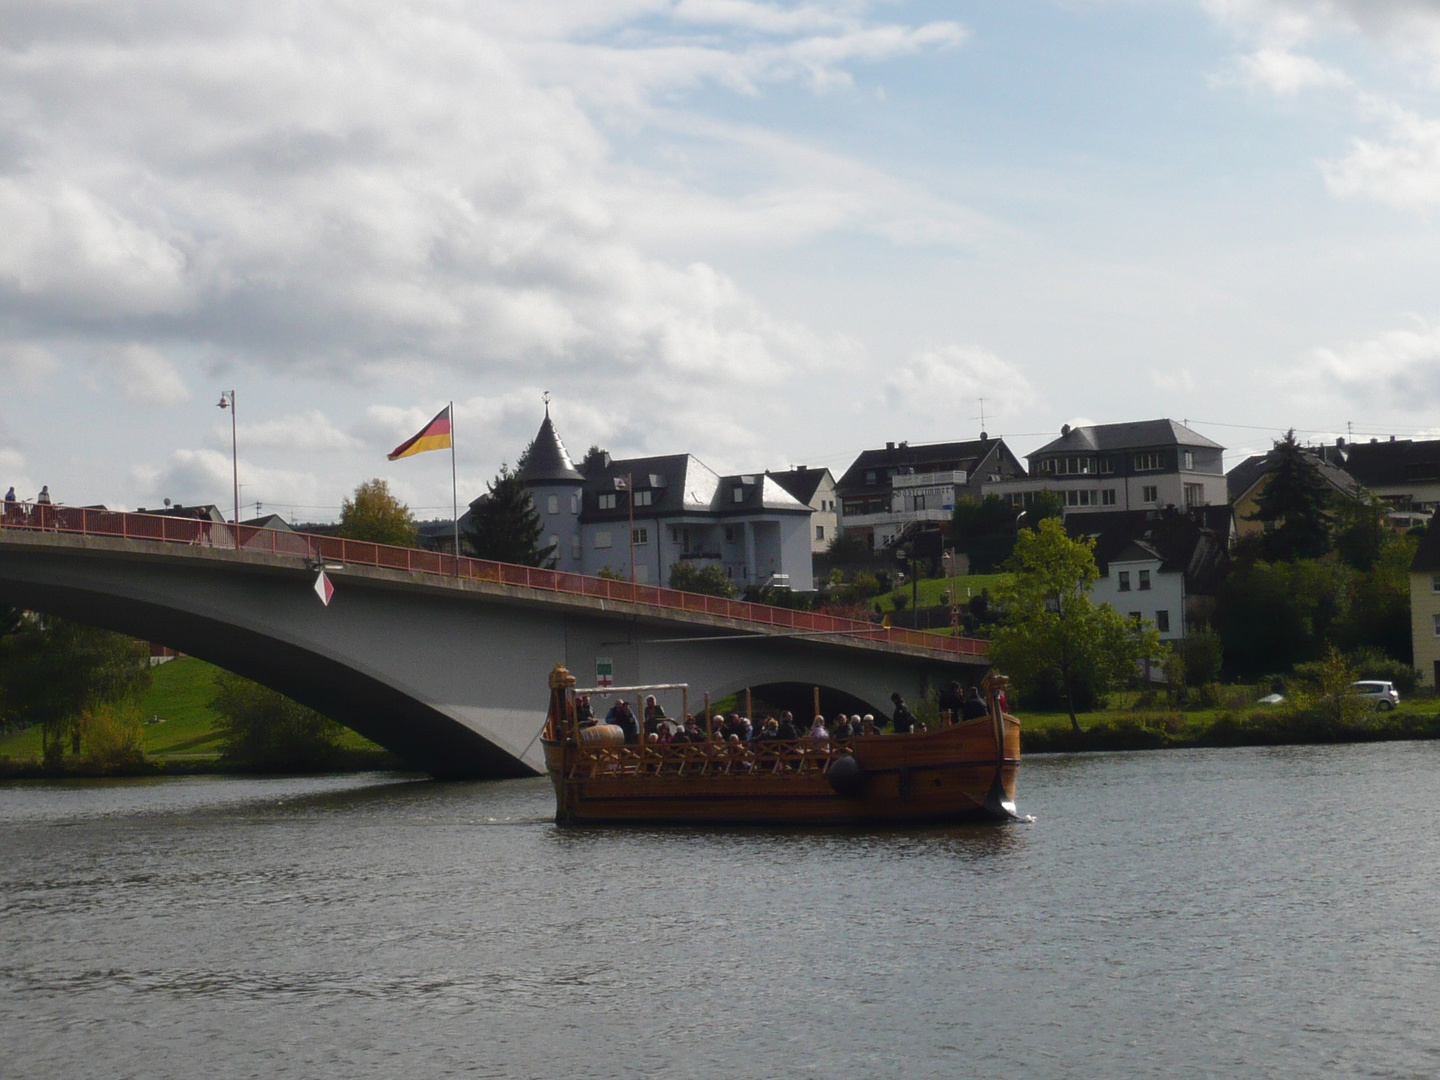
(932, 590)
(179, 696)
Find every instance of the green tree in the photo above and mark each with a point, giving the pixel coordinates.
(1272, 616)
(266, 730)
(710, 580)
(1361, 531)
(377, 517)
(504, 525)
(52, 670)
(1296, 503)
(1044, 506)
(1052, 632)
(1377, 609)
(846, 549)
(985, 531)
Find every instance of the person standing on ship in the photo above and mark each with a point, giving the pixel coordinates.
(903, 719)
(623, 717)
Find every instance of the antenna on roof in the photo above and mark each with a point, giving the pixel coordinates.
(981, 417)
(545, 397)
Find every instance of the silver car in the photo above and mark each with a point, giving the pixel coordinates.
(1383, 694)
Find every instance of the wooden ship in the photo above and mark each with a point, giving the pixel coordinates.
(960, 771)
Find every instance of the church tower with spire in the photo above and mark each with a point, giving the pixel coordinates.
(555, 487)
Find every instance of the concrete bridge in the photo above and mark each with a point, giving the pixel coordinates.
(442, 661)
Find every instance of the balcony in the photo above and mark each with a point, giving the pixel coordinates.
(894, 517)
(951, 478)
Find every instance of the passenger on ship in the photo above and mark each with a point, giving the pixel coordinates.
(787, 729)
(817, 729)
(903, 720)
(623, 717)
(952, 701)
(584, 714)
(841, 729)
(653, 710)
(974, 706)
(868, 725)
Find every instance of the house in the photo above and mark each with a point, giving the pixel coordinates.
(816, 489)
(1161, 566)
(1425, 609)
(1245, 483)
(1146, 464)
(1403, 472)
(885, 492)
(641, 516)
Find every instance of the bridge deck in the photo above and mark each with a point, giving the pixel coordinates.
(198, 536)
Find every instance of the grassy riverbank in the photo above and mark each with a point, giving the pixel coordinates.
(1163, 729)
(182, 733)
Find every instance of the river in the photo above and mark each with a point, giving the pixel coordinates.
(1225, 913)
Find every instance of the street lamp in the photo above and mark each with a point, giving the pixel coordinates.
(227, 401)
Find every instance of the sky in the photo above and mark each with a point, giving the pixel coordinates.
(766, 234)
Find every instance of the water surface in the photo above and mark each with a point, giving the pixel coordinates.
(1229, 913)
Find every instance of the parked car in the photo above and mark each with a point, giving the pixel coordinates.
(1383, 694)
(1271, 699)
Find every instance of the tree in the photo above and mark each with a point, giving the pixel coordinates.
(1361, 531)
(1377, 609)
(1295, 502)
(985, 531)
(377, 517)
(1052, 632)
(1272, 616)
(504, 525)
(53, 670)
(266, 730)
(709, 580)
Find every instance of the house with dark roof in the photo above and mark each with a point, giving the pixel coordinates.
(1247, 481)
(643, 515)
(1403, 472)
(816, 489)
(1425, 609)
(885, 492)
(1146, 464)
(1164, 567)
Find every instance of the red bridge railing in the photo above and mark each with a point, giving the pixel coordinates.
(201, 532)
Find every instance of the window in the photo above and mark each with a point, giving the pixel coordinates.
(642, 574)
(575, 547)
(1436, 619)
(1435, 583)
(1150, 493)
(738, 494)
(607, 502)
(819, 532)
(1144, 579)
(1107, 498)
(640, 536)
(1194, 494)
(602, 540)
(1082, 498)
(919, 502)
(644, 498)
(1107, 466)
(1162, 621)
(870, 476)
(1149, 462)
(1190, 460)
(730, 534)
(1124, 581)
(553, 542)
(552, 504)
(574, 504)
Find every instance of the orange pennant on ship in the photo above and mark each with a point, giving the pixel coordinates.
(433, 436)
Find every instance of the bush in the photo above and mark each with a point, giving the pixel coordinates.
(267, 730)
(1371, 664)
(112, 737)
(1203, 654)
(709, 580)
(900, 599)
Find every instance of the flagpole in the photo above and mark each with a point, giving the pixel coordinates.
(454, 491)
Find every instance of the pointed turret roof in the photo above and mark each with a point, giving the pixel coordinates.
(548, 462)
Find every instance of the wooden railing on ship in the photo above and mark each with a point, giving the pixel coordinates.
(765, 757)
(203, 532)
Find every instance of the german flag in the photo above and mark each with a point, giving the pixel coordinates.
(433, 436)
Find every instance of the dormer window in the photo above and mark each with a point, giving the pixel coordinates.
(607, 501)
(738, 493)
(644, 498)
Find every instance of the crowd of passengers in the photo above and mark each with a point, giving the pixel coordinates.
(736, 729)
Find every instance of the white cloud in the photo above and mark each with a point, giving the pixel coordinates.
(1287, 73)
(1406, 26)
(308, 433)
(201, 476)
(26, 363)
(143, 375)
(1403, 171)
(1398, 369)
(947, 383)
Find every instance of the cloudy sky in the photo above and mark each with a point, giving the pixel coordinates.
(763, 233)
